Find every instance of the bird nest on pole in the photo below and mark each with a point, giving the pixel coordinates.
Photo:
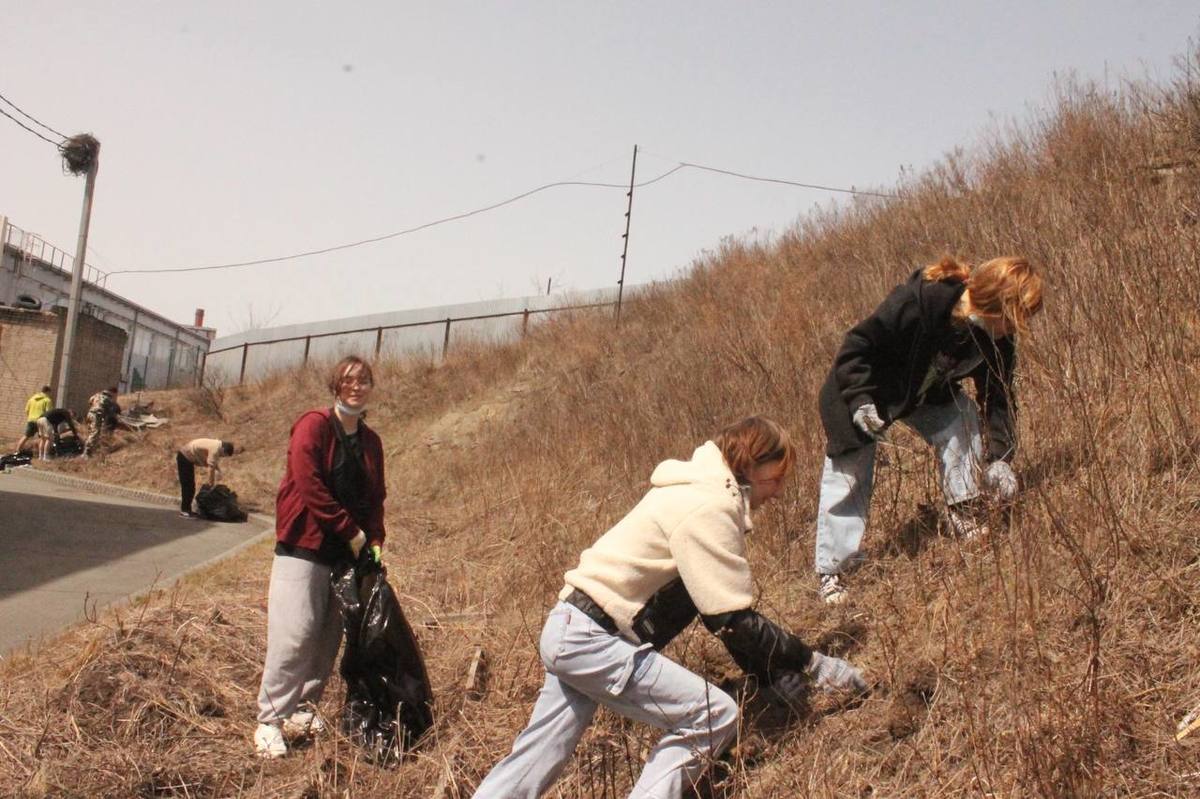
(79, 153)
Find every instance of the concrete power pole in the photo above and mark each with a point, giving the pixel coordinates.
(92, 165)
(628, 219)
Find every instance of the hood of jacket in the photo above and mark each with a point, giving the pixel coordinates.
(708, 471)
(707, 467)
(935, 298)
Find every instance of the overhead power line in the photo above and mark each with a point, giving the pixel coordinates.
(386, 236)
(32, 119)
(31, 130)
(466, 214)
(790, 182)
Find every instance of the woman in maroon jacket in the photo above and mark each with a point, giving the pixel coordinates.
(329, 506)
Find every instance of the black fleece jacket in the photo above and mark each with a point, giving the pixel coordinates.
(884, 360)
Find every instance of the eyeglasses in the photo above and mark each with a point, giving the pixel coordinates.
(357, 382)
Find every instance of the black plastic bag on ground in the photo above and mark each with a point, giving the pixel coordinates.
(220, 504)
(68, 447)
(13, 460)
(389, 703)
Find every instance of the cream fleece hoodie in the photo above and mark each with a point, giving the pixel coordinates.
(691, 524)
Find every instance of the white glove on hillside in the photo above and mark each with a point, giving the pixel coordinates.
(867, 419)
(834, 674)
(1001, 481)
(357, 543)
(791, 686)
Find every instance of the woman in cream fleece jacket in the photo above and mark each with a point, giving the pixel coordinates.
(678, 554)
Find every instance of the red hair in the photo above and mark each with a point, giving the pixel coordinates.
(755, 440)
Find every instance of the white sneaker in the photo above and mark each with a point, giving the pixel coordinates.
(303, 723)
(966, 525)
(268, 741)
(832, 590)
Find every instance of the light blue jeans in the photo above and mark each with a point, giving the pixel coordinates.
(846, 481)
(587, 667)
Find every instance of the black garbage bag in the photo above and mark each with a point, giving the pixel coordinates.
(13, 460)
(220, 504)
(68, 447)
(389, 704)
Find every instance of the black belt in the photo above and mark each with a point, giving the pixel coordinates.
(593, 611)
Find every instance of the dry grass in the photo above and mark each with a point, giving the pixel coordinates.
(1051, 661)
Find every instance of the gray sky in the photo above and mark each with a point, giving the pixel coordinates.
(237, 131)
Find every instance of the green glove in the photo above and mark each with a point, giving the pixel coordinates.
(377, 553)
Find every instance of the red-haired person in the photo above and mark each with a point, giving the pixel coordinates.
(904, 362)
(329, 507)
(679, 553)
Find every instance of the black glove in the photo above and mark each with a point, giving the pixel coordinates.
(758, 645)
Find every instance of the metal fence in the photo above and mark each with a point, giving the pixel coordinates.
(32, 246)
(379, 331)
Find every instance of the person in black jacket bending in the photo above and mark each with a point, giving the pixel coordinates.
(905, 362)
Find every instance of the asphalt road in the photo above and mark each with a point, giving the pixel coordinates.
(63, 547)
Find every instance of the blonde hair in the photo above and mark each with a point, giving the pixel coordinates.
(755, 440)
(1007, 287)
(947, 269)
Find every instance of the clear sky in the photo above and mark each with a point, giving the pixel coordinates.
(235, 131)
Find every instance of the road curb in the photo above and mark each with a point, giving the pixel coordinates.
(124, 492)
(164, 582)
(142, 495)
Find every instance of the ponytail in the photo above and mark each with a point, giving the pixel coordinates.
(948, 269)
(752, 441)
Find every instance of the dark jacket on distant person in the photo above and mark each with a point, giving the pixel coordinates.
(885, 358)
(318, 510)
(57, 416)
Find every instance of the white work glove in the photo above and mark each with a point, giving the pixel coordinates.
(1001, 481)
(834, 674)
(867, 419)
(791, 687)
(357, 543)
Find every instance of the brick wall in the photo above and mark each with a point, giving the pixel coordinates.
(97, 362)
(28, 340)
(30, 353)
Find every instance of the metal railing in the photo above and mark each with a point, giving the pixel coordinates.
(34, 246)
(380, 329)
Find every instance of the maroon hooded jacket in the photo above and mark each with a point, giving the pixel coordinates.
(305, 510)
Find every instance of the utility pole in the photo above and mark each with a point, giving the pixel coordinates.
(625, 249)
(82, 155)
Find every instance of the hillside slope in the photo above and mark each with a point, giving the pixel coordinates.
(1052, 660)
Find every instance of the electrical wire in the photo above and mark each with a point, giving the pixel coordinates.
(456, 217)
(788, 182)
(32, 118)
(386, 236)
(31, 130)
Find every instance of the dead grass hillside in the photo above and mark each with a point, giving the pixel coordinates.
(1052, 660)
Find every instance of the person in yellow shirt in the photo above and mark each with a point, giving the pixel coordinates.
(35, 407)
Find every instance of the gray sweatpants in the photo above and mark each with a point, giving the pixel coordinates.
(587, 667)
(304, 629)
(847, 480)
